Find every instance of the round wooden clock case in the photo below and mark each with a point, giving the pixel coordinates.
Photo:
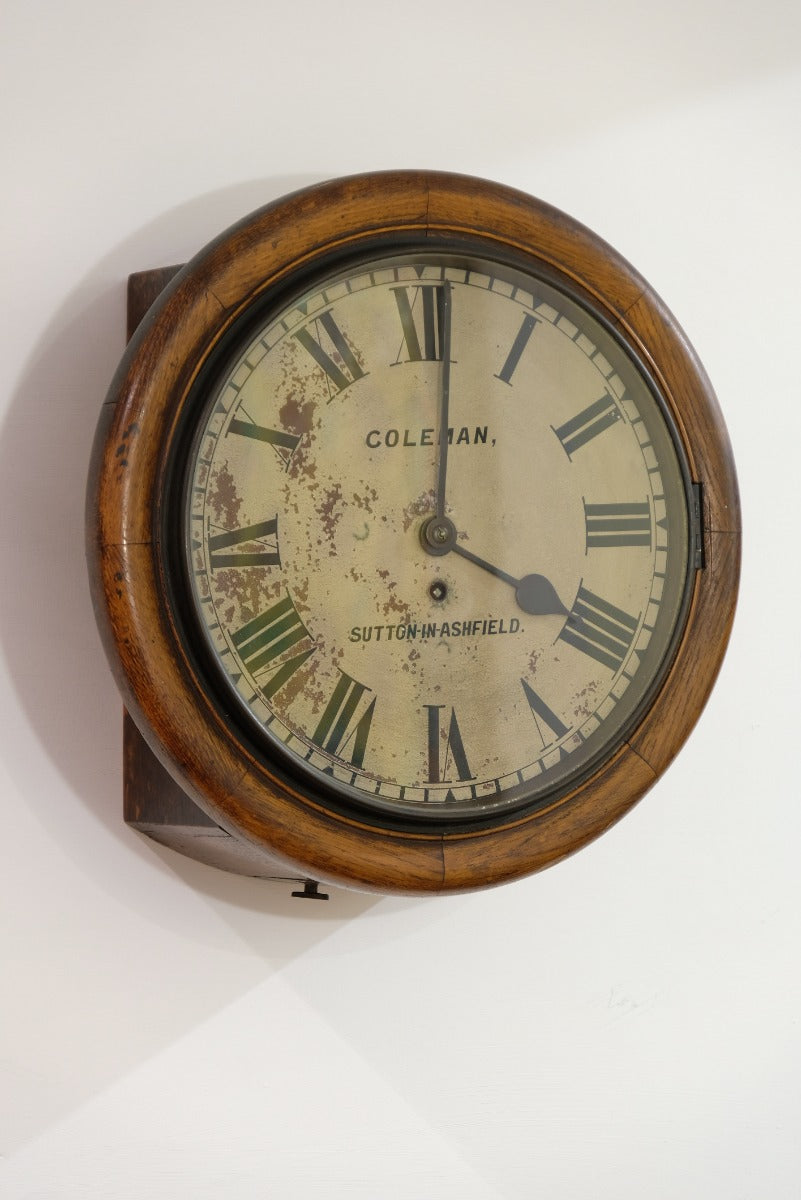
(413, 534)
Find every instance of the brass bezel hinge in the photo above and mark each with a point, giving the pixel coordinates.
(697, 526)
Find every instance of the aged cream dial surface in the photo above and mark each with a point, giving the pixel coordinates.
(436, 532)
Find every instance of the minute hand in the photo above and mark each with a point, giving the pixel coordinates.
(534, 593)
(445, 396)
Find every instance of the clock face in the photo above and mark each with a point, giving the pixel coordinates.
(435, 531)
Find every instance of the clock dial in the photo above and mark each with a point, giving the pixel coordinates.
(436, 535)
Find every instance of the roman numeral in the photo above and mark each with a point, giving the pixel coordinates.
(518, 346)
(454, 758)
(337, 729)
(421, 312)
(618, 525)
(541, 712)
(587, 424)
(599, 629)
(284, 444)
(245, 538)
(342, 368)
(263, 640)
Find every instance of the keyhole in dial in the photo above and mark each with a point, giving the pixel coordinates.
(438, 590)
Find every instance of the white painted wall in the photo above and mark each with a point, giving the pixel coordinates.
(624, 1026)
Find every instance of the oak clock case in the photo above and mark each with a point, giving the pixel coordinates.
(414, 537)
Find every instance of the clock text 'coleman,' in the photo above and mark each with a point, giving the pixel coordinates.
(465, 436)
(479, 627)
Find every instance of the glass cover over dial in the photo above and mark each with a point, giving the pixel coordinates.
(436, 531)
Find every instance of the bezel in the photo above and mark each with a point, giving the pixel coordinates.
(132, 493)
(333, 791)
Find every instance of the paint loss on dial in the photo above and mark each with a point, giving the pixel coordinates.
(482, 670)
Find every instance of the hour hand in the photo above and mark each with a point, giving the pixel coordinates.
(534, 593)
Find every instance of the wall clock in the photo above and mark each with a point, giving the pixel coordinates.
(414, 536)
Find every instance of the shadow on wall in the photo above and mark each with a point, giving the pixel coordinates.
(46, 623)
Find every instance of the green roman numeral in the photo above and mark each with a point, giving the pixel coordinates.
(284, 444)
(337, 732)
(262, 641)
(420, 309)
(599, 629)
(439, 766)
(246, 538)
(587, 424)
(518, 346)
(618, 524)
(341, 366)
(541, 712)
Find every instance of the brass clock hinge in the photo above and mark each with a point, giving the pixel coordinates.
(697, 526)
